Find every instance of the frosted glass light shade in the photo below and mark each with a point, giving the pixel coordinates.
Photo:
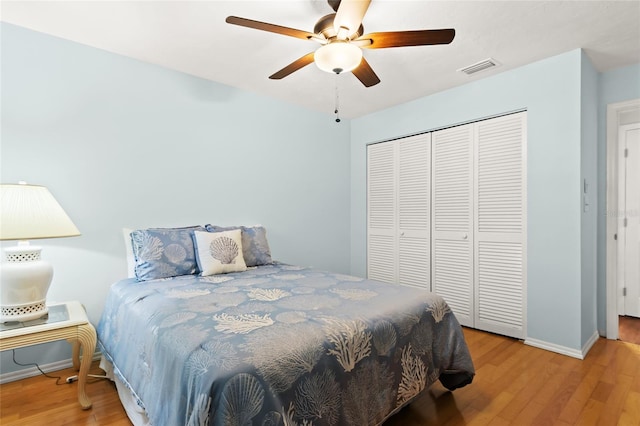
(29, 212)
(337, 57)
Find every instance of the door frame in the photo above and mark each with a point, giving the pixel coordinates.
(615, 115)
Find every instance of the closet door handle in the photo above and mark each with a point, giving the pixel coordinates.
(465, 237)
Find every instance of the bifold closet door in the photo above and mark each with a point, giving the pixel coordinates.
(398, 211)
(452, 219)
(500, 225)
(447, 211)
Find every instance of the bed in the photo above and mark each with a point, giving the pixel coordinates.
(277, 344)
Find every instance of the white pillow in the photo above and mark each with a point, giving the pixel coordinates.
(219, 252)
(131, 260)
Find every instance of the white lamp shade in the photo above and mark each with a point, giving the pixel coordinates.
(30, 212)
(337, 57)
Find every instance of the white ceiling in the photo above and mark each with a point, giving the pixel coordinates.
(192, 37)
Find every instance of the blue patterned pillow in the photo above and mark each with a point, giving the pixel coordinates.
(164, 252)
(255, 247)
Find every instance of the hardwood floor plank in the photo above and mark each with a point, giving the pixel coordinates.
(528, 385)
(602, 391)
(508, 373)
(513, 410)
(631, 409)
(557, 401)
(615, 402)
(499, 421)
(628, 360)
(591, 412)
(554, 383)
(528, 415)
(579, 398)
(491, 410)
(515, 384)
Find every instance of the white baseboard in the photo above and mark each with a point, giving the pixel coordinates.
(575, 353)
(47, 368)
(592, 341)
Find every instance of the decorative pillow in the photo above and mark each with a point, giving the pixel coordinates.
(219, 252)
(255, 246)
(164, 252)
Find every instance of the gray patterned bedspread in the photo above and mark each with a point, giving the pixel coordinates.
(279, 345)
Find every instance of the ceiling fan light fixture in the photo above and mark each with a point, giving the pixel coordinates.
(338, 57)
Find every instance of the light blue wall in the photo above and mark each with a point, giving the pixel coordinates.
(622, 84)
(99, 130)
(124, 143)
(550, 90)
(589, 171)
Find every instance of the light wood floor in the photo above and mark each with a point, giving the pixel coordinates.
(629, 329)
(515, 384)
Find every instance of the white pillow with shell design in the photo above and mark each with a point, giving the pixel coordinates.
(219, 252)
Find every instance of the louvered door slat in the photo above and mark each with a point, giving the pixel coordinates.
(500, 284)
(452, 171)
(452, 277)
(499, 159)
(381, 192)
(413, 184)
(381, 255)
(414, 261)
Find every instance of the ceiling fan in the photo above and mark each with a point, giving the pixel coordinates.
(342, 40)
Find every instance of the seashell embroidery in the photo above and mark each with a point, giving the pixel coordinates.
(149, 247)
(224, 249)
(242, 399)
(175, 253)
(384, 337)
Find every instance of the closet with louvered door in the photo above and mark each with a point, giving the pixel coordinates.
(398, 222)
(452, 220)
(447, 211)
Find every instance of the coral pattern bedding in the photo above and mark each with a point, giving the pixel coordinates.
(279, 345)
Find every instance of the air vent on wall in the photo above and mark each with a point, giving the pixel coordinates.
(479, 66)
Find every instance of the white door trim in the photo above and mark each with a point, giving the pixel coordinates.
(614, 115)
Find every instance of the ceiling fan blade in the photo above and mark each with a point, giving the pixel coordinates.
(293, 66)
(406, 38)
(334, 4)
(349, 15)
(365, 74)
(264, 26)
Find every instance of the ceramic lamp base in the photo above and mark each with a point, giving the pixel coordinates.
(25, 282)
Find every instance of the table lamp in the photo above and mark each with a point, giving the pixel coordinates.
(28, 212)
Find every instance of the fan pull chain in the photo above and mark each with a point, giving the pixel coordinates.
(337, 101)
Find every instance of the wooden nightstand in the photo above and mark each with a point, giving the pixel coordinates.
(65, 321)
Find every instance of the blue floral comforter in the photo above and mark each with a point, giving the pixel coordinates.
(279, 345)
